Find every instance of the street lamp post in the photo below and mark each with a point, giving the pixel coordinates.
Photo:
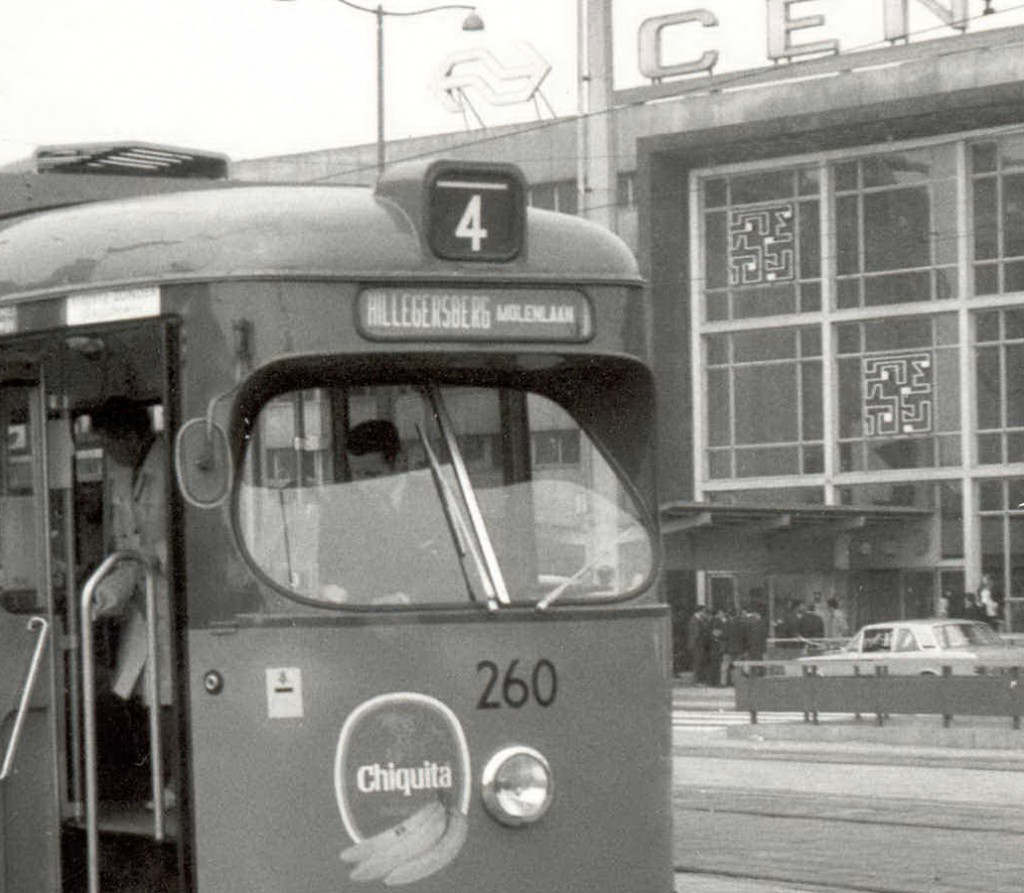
(472, 22)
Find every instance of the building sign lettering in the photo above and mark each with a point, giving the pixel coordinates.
(783, 23)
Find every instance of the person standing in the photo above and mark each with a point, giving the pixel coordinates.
(136, 491)
(786, 634)
(718, 621)
(990, 602)
(698, 641)
(809, 623)
(732, 646)
(836, 624)
(755, 634)
(973, 610)
(810, 627)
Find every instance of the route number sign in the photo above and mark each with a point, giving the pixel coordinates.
(476, 213)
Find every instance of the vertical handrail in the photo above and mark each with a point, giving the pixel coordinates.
(43, 626)
(74, 674)
(89, 707)
(152, 681)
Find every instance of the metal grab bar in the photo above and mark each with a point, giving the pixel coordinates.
(43, 626)
(89, 706)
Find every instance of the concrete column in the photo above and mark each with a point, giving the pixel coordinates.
(598, 149)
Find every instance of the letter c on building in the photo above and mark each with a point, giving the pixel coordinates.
(649, 38)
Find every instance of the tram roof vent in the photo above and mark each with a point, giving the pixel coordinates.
(131, 159)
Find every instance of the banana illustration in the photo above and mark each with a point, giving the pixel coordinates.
(434, 859)
(379, 855)
(366, 848)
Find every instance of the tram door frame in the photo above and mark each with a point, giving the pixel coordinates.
(153, 346)
(31, 641)
(42, 802)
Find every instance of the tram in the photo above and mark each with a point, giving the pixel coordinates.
(397, 563)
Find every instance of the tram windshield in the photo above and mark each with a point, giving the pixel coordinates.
(392, 495)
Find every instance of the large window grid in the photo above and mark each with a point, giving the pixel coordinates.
(852, 255)
(765, 416)
(999, 380)
(1001, 507)
(762, 244)
(997, 169)
(896, 227)
(942, 284)
(899, 393)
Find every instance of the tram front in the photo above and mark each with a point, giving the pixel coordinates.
(387, 543)
(445, 663)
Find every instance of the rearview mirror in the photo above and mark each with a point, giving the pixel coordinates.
(202, 463)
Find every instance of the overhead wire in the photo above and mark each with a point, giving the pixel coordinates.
(724, 82)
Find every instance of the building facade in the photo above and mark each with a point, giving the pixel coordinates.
(835, 250)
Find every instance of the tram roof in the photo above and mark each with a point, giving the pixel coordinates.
(239, 231)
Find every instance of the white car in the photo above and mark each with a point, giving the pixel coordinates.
(919, 647)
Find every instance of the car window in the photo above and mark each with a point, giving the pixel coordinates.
(853, 645)
(876, 640)
(905, 641)
(959, 635)
(926, 637)
(949, 636)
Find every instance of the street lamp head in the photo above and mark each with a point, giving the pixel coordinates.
(473, 22)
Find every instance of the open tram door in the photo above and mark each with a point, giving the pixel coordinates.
(78, 759)
(29, 625)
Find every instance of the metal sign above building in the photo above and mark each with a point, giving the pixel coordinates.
(499, 83)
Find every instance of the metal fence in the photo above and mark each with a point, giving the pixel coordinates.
(782, 686)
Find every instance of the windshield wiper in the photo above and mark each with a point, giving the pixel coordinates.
(563, 587)
(465, 545)
(489, 559)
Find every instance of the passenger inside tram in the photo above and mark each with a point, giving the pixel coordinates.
(390, 520)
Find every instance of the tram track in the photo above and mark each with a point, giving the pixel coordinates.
(903, 813)
(803, 816)
(740, 840)
(693, 880)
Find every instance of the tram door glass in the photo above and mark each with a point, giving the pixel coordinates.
(557, 516)
(28, 821)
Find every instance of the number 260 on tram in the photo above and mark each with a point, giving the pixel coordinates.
(328, 551)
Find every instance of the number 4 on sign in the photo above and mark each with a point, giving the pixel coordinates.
(471, 225)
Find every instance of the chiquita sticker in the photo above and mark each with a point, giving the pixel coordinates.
(402, 779)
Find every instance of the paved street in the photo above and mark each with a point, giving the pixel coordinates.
(775, 817)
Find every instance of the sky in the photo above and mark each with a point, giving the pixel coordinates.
(255, 78)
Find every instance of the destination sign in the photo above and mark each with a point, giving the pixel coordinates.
(463, 314)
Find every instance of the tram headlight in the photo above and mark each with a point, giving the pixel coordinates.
(517, 785)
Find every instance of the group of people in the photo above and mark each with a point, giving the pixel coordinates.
(985, 605)
(802, 622)
(716, 641)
